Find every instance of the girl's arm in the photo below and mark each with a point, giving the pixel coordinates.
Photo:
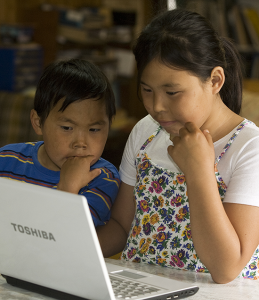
(113, 235)
(224, 235)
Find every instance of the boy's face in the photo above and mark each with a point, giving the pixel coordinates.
(80, 130)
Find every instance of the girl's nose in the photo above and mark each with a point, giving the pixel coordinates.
(158, 104)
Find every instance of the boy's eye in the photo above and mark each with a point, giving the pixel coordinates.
(66, 128)
(94, 129)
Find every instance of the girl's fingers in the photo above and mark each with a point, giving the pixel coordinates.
(188, 128)
(191, 127)
(176, 139)
(170, 150)
(208, 136)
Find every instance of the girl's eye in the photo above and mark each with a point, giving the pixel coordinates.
(147, 90)
(171, 93)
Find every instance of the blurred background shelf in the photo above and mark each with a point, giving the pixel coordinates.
(237, 19)
(103, 31)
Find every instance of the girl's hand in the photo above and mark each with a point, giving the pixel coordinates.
(75, 174)
(193, 149)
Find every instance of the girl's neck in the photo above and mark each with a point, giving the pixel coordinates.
(224, 121)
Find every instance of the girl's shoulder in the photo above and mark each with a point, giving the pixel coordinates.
(248, 133)
(145, 128)
(244, 140)
(251, 129)
(147, 122)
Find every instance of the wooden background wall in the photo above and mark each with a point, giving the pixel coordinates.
(10, 10)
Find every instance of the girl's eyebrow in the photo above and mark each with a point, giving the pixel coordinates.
(174, 85)
(171, 85)
(142, 82)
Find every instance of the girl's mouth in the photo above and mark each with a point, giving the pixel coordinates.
(166, 123)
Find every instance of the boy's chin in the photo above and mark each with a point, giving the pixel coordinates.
(95, 160)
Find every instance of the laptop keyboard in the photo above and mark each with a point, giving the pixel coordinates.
(127, 289)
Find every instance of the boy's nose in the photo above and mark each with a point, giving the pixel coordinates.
(80, 142)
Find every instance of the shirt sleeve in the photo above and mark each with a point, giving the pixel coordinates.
(139, 134)
(127, 166)
(100, 194)
(243, 187)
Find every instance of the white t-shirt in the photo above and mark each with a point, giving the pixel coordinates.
(239, 167)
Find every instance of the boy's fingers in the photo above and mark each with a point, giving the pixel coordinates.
(94, 173)
(88, 158)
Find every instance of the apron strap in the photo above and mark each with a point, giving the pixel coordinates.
(231, 140)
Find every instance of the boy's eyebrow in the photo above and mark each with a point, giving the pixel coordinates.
(100, 122)
(63, 119)
(164, 85)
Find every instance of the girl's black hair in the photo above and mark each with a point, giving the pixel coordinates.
(73, 80)
(185, 40)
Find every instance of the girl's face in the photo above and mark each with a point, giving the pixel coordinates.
(174, 97)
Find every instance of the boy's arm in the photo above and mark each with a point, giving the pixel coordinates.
(99, 185)
(113, 235)
(101, 193)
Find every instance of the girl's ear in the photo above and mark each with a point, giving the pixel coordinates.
(217, 79)
(35, 122)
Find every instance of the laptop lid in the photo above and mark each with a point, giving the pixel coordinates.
(48, 239)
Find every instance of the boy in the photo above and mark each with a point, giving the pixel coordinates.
(73, 109)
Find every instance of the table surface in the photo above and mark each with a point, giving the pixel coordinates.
(235, 290)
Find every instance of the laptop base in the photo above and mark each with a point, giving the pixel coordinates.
(40, 289)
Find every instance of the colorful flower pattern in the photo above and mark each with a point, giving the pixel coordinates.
(161, 229)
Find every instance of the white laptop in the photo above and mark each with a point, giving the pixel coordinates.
(48, 244)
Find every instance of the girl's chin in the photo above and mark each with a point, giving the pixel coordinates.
(172, 136)
(173, 129)
(172, 133)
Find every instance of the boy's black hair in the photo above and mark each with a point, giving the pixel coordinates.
(185, 40)
(74, 79)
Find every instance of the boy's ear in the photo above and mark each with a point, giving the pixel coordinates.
(217, 79)
(35, 122)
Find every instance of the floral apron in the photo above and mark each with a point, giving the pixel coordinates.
(161, 230)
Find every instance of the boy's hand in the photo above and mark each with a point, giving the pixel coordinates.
(75, 174)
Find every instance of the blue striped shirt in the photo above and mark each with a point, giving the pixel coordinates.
(20, 162)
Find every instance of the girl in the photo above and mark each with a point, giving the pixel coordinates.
(189, 195)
